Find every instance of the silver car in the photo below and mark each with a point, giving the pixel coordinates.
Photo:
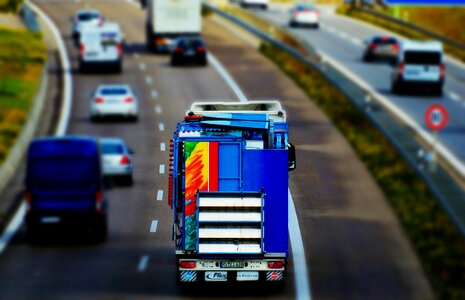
(114, 100)
(85, 17)
(117, 159)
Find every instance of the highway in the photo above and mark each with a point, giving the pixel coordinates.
(355, 248)
(342, 39)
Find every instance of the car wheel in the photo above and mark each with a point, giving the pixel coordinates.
(134, 119)
(264, 6)
(396, 88)
(32, 236)
(82, 68)
(99, 233)
(128, 180)
(438, 92)
(119, 67)
(367, 58)
(316, 26)
(94, 119)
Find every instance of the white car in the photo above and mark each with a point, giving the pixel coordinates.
(83, 18)
(419, 66)
(304, 15)
(101, 46)
(254, 3)
(114, 100)
(117, 159)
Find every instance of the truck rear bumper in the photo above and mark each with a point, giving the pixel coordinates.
(231, 276)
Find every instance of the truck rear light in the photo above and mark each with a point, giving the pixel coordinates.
(395, 47)
(400, 68)
(179, 50)
(442, 70)
(187, 264)
(119, 49)
(124, 160)
(82, 49)
(275, 264)
(296, 13)
(99, 100)
(98, 201)
(128, 100)
(201, 49)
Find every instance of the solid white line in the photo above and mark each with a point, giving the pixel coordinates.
(226, 77)
(148, 79)
(143, 263)
(302, 280)
(65, 113)
(142, 66)
(161, 126)
(154, 94)
(454, 96)
(162, 146)
(162, 169)
(158, 109)
(160, 195)
(12, 227)
(153, 226)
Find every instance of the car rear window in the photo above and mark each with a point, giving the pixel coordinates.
(87, 16)
(385, 41)
(111, 148)
(422, 57)
(190, 43)
(113, 91)
(63, 173)
(305, 8)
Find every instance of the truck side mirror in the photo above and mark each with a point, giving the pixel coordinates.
(291, 158)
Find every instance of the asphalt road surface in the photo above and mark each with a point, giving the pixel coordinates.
(355, 247)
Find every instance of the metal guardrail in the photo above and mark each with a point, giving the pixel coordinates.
(443, 187)
(413, 27)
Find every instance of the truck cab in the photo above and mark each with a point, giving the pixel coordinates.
(228, 188)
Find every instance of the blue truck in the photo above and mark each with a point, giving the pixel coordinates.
(64, 187)
(228, 188)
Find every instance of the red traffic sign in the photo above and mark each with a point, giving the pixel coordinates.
(436, 117)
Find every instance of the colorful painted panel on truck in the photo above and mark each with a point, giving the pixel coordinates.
(201, 169)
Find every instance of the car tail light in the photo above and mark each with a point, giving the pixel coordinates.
(296, 13)
(442, 70)
(372, 46)
(400, 68)
(99, 100)
(82, 50)
(317, 12)
(179, 50)
(187, 264)
(28, 198)
(201, 49)
(124, 160)
(119, 49)
(128, 100)
(275, 264)
(98, 200)
(396, 47)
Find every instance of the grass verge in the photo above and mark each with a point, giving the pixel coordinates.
(22, 57)
(439, 245)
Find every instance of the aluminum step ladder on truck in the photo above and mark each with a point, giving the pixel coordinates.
(228, 188)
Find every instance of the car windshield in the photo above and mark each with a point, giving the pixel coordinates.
(422, 57)
(62, 173)
(87, 16)
(190, 43)
(305, 7)
(112, 148)
(113, 91)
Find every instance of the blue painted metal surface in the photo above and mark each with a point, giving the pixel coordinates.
(267, 169)
(229, 167)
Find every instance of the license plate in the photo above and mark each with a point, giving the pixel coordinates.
(91, 54)
(189, 53)
(232, 264)
(112, 101)
(50, 220)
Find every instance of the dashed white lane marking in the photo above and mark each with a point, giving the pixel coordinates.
(161, 126)
(356, 41)
(148, 79)
(142, 66)
(342, 35)
(153, 226)
(160, 195)
(331, 29)
(158, 109)
(162, 169)
(144, 260)
(135, 55)
(454, 96)
(154, 94)
(162, 146)
(12, 227)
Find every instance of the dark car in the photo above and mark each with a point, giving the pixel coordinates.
(64, 187)
(189, 50)
(381, 47)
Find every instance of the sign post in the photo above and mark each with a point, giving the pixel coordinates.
(436, 117)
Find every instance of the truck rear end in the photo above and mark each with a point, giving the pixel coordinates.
(228, 187)
(170, 19)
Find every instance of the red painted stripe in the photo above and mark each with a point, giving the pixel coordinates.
(213, 166)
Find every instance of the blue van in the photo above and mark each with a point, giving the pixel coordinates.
(64, 186)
